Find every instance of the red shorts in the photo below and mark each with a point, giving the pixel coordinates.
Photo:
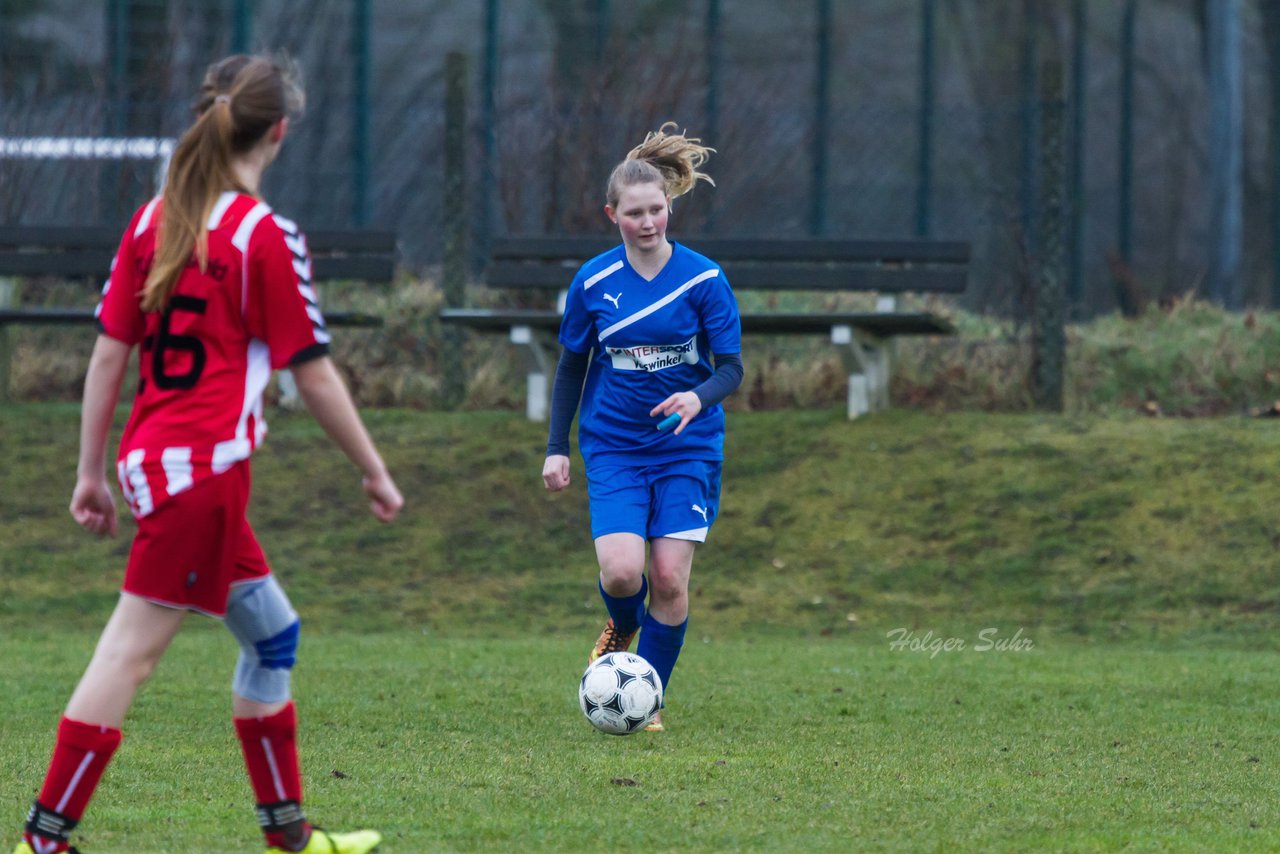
(191, 549)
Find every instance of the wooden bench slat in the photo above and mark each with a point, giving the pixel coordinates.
(67, 263)
(882, 324)
(45, 316)
(59, 236)
(724, 249)
(353, 267)
(75, 264)
(326, 240)
(743, 276)
(877, 323)
(501, 320)
(74, 316)
(52, 239)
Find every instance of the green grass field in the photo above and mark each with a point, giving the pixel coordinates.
(437, 682)
(793, 744)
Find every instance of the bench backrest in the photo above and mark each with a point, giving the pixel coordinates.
(73, 252)
(890, 266)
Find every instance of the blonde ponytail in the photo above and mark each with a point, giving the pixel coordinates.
(241, 98)
(665, 157)
(199, 171)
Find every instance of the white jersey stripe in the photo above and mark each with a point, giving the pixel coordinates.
(177, 469)
(241, 238)
(145, 219)
(296, 243)
(137, 479)
(287, 225)
(125, 488)
(228, 453)
(652, 307)
(220, 209)
(603, 274)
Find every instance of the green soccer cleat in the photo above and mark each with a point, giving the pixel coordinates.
(611, 640)
(24, 848)
(322, 842)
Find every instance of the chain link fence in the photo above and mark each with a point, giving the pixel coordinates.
(879, 118)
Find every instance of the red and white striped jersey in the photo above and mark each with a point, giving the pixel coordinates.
(207, 357)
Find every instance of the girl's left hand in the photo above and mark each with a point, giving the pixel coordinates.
(93, 507)
(686, 403)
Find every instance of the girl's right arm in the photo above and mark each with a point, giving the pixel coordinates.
(327, 398)
(565, 392)
(92, 504)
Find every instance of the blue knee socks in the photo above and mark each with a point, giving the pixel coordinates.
(660, 646)
(627, 611)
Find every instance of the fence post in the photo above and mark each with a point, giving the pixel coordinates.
(714, 53)
(1076, 192)
(1049, 357)
(240, 27)
(455, 222)
(1124, 221)
(821, 119)
(924, 187)
(1030, 60)
(1226, 153)
(361, 55)
(489, 134)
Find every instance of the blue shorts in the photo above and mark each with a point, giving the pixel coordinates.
(677, 500)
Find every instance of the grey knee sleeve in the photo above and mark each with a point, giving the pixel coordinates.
(265, 624)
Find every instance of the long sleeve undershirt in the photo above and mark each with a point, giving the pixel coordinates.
(571, 372)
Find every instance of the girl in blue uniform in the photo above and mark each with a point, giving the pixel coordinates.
(653, 328)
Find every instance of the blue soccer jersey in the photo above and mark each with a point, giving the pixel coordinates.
(650, 339)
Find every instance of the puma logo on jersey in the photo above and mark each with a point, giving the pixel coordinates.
(701, 510)
(614, 300)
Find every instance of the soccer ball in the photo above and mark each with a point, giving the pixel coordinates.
(620, 693)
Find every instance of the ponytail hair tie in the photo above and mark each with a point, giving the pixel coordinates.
(222, 99)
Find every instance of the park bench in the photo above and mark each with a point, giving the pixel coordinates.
(520, 265)
(84, 254)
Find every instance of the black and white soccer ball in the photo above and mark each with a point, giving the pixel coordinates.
(620, 693)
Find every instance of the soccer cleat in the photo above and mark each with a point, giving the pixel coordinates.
(611, 640)
(322, 842)
(24, 848)
(655, 725)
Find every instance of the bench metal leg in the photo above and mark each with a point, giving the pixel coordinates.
(866, 361)
(537, 386)
(8, 299)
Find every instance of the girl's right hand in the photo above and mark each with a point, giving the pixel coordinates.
(386, 498)
(94, 507)
(555, 472)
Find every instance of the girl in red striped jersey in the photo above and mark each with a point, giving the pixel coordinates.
(215, 290)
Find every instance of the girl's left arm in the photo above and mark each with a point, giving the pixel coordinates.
(715, 388)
